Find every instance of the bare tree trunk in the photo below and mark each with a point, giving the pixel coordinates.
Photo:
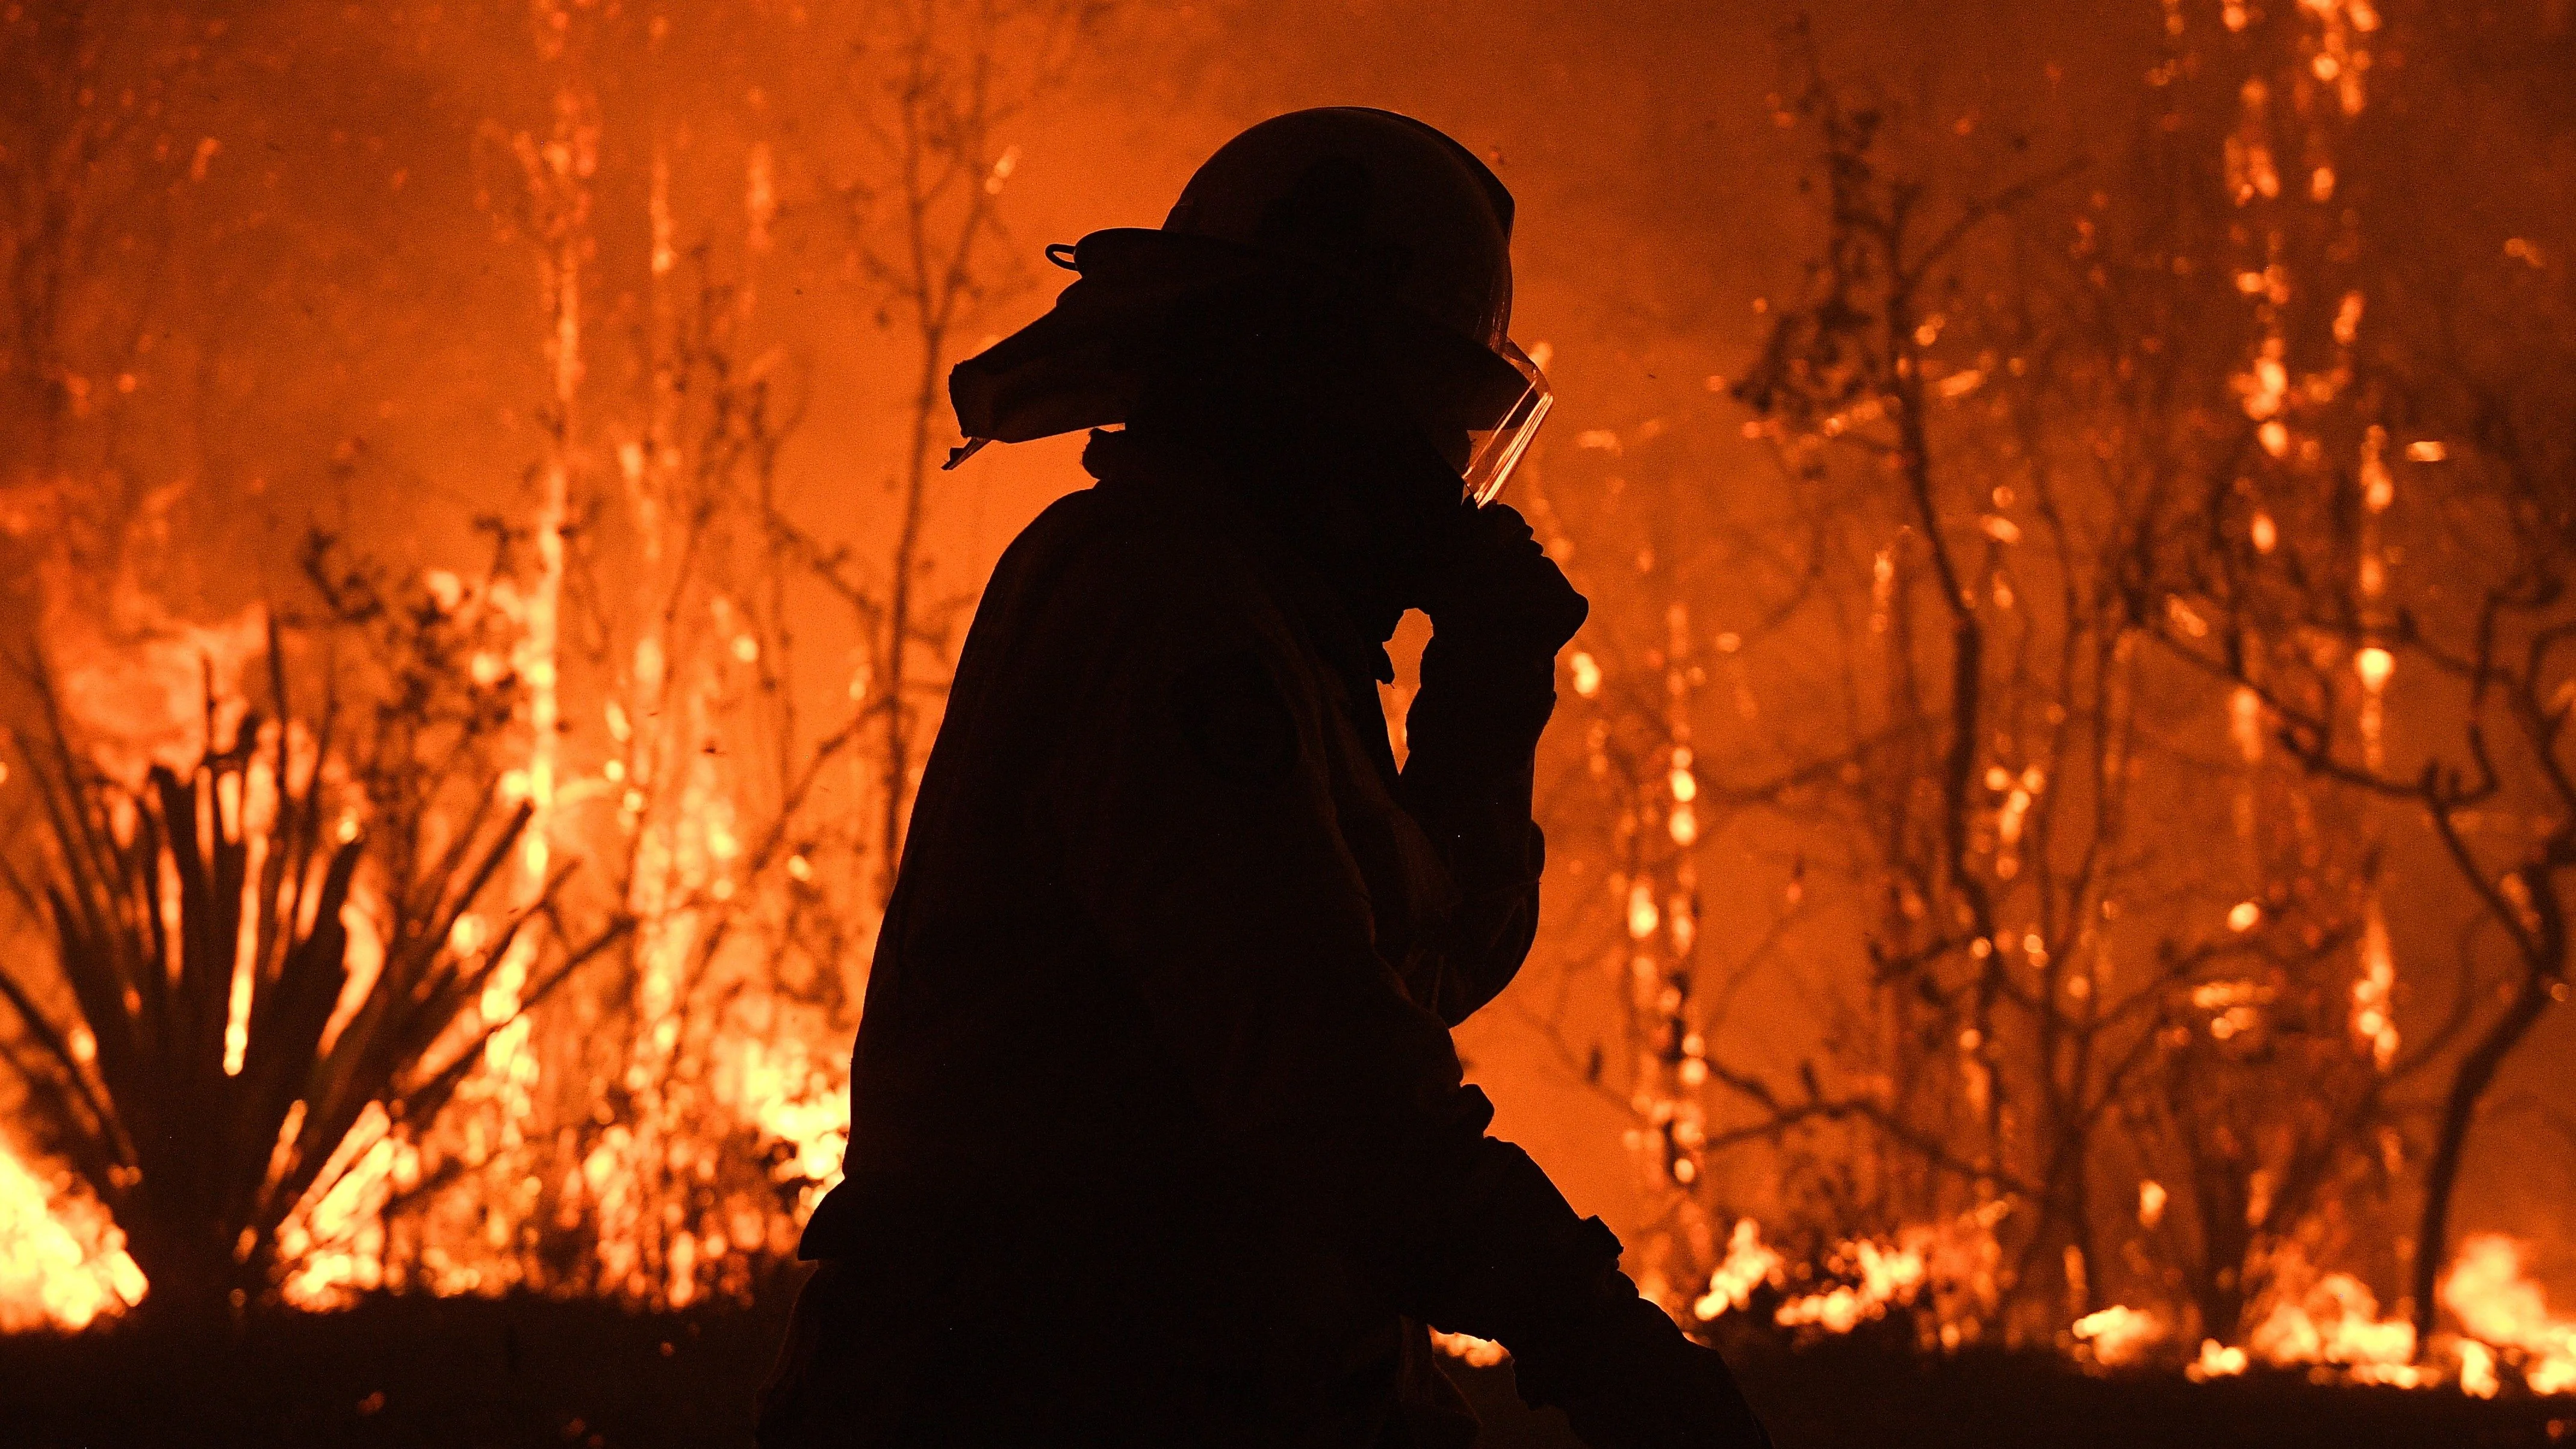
(2459, 1110)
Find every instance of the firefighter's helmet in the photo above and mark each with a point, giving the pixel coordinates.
(1376, 211)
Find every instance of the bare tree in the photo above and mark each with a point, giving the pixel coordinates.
(2392, 507)
(670, 751)
(1992, 782)
(2478, 627)
(718, 814)
(935, 84)
(1969, 423)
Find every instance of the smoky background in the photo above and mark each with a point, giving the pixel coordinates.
(615, 331)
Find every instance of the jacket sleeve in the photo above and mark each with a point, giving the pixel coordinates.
(1472, 740)
(1196, 826)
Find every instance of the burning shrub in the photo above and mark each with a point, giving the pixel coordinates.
(268, 964)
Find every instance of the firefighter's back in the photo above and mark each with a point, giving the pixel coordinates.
(1036, 1243)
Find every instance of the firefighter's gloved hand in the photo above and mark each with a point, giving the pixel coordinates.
(1492, 587)
(1629, 1379)
(1548, 1286)
(1500, 609)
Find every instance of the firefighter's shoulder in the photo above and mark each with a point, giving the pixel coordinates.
(1188, 629)
(1187, 587)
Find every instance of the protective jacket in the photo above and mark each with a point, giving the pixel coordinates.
(1157, 1132)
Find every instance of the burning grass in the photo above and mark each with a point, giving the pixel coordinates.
(1926, 1284)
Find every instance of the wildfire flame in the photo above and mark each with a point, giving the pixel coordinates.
(2326, 1323)
(1748, 1265)
(2487, 1292)
(2119, 1335)
(2336, 1322)
(1886, 1275)
(62, 1262)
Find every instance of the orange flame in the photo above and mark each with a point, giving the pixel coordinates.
(62, 1262)
(2498, 1306)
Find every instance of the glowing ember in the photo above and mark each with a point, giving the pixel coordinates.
(2374, 1020)
(1886, 1275)
(1749, 1264)
(1587, 675)
(2119, 1335)
(2216, 1360)
(1643, 917)
(1477, 1352)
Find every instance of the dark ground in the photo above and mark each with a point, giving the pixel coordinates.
(466, 1374)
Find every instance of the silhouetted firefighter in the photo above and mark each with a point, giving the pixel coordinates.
(1157, 1134)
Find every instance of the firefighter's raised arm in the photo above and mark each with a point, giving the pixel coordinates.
(1195, 811)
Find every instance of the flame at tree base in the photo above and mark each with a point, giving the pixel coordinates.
(63, 1264)
(2331, 1327)
(2491, 1298)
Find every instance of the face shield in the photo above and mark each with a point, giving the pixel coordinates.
(1479, 404)
(1494, 451)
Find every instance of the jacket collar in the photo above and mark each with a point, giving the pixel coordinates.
(1173, 480)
